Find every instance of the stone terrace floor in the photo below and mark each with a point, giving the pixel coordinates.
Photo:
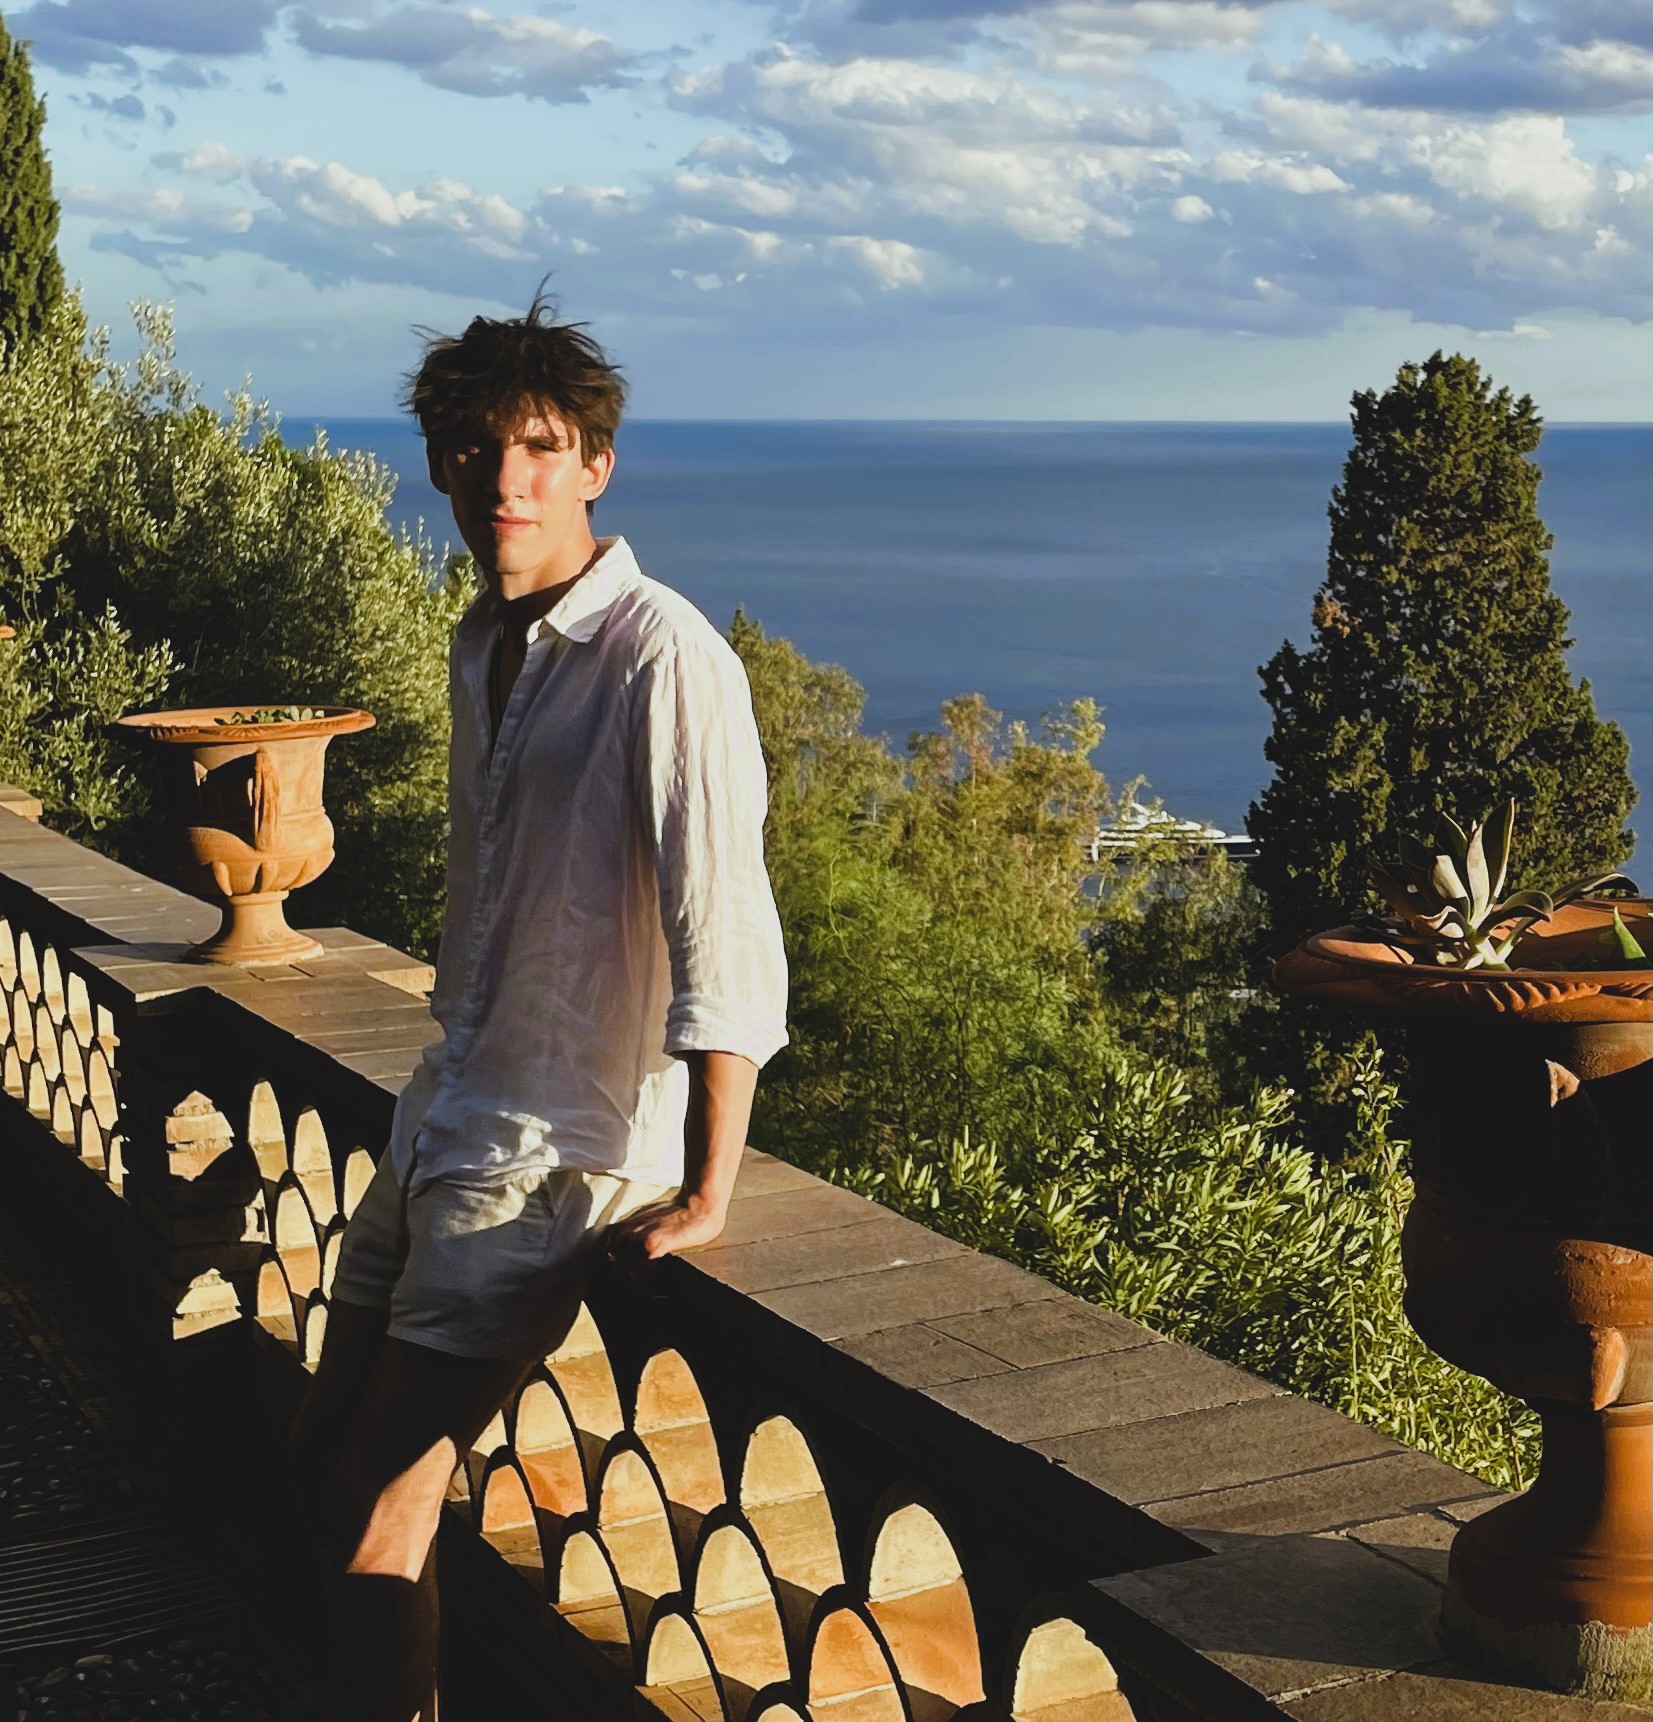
(116, 1603)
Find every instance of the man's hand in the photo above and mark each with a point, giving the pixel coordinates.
(714, 1132)
(661, 1229)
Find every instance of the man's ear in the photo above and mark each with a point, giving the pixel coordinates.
(433, 464)
(595, 474)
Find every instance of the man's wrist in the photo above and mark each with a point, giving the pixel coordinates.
(704, 1204)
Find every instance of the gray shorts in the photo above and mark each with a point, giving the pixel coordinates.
(491, 1269)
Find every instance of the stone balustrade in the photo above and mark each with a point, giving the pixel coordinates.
(835, 1467)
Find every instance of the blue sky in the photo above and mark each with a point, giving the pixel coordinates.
(1093, 209)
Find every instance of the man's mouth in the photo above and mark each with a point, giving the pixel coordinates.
(508, 522)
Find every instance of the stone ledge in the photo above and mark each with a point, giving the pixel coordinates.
(151, 975)
(1214, 1449)
(20, 802)
(1326, 1497)
(1447, 1693)
(1273, 1618)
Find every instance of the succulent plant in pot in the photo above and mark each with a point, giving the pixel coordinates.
(1528, 1027)
(243, 795)
(1447, 895)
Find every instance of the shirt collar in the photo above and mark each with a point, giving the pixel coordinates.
(581, 611)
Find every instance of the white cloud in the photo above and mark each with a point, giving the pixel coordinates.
(166, 209)
(76, 35)
(475, 52)
(1534, 66)
(1528, 164)
(1283, 173)
(1624, 68)
(211, 160)
(1091, 40)
(874, 185)
(792, 90)
(1415, 17)
(905, 143)
(890, 262)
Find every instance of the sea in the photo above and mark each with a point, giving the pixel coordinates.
(1150, 567)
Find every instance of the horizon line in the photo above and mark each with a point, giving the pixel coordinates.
(729, 419)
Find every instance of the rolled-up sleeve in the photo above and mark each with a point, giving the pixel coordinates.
(702, 797)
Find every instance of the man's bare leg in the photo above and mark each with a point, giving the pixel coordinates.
(418, 1414)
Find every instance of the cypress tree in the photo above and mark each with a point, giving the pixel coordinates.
(31, 278)
(1436, 679)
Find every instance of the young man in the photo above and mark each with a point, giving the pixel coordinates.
(610, 980)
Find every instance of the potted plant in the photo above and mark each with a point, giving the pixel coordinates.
(242, 792)
(1529, 1042)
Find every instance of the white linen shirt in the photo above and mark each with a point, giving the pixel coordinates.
(607, 903)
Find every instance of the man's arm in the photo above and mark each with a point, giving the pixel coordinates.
(698, 774)
(721, 1085)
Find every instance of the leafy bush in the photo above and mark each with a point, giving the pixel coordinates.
(153, 546)
(1214, 1227)
(72, 668)
(942, 938)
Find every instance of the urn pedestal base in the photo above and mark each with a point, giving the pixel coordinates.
(1528, 1251)
(1553, 1586)
(254, 931)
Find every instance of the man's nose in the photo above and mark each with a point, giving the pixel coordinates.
(509, 472)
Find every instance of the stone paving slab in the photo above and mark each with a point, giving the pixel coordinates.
(882, 1242)
(920, 1356)
(1051, 1332)
(1447, 1693)
(377, 1031)
(390, 1070)
(792, 1213)
(1132, 1386)
(307, 1006)
(1418, 1540)
(1464, 1511)
(20, 802)
(1283, 1615)
(862, 1303)
(1215, 1448)
(1388, 1486)
(147, 970)
(763, 1175)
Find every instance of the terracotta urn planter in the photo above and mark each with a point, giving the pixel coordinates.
(244, 802)
(1527, 1255)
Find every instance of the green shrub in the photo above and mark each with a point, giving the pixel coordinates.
(72, 667)
(950, 969)
(154, 546)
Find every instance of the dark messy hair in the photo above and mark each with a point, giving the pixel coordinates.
(504, 370)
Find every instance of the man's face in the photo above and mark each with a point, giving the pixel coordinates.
(519, 500)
